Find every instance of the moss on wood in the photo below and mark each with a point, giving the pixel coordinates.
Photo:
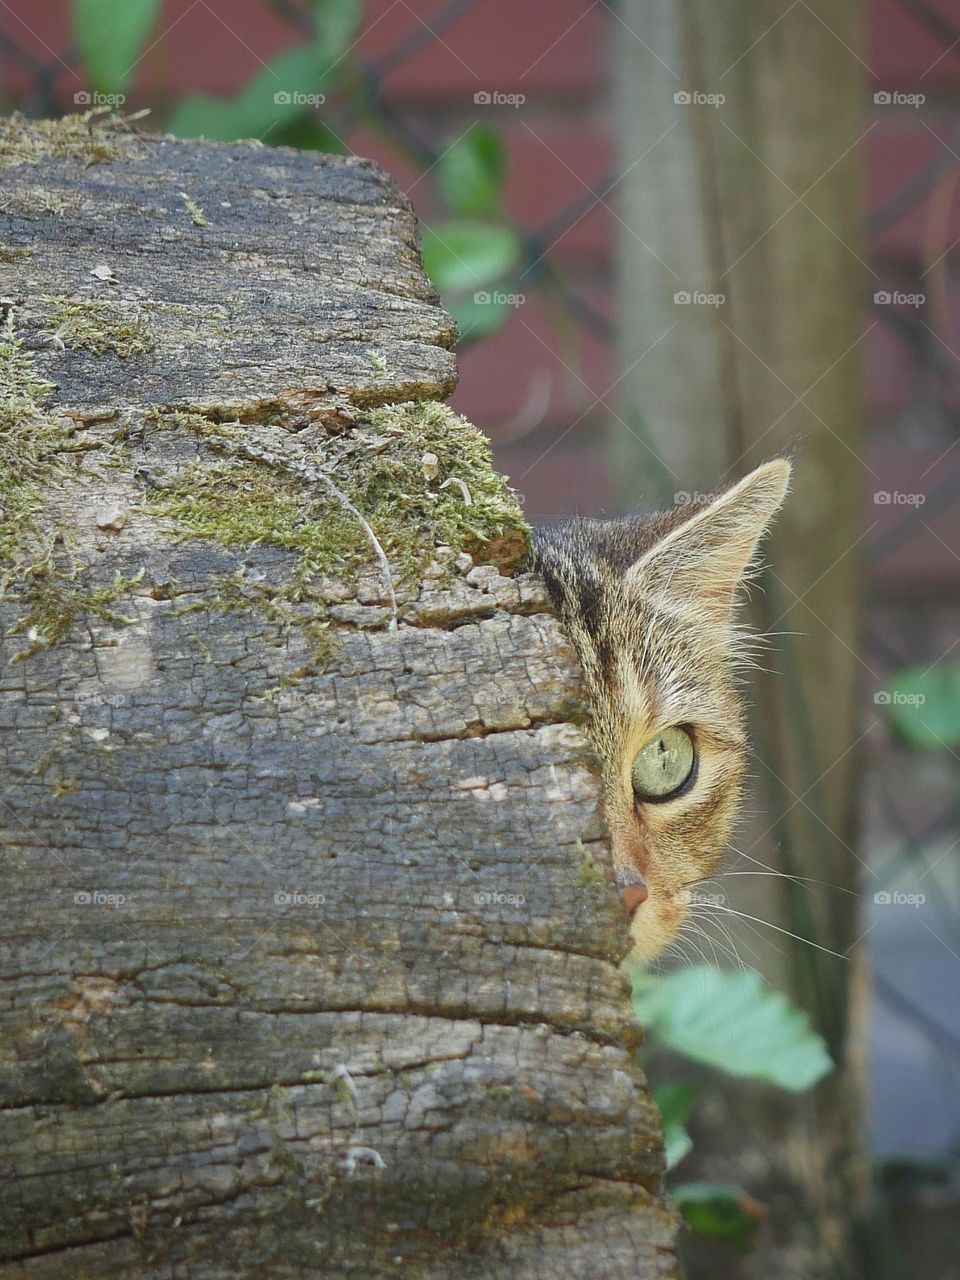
(456, 499)
(100, 326)
(95, 137)
(31, 443)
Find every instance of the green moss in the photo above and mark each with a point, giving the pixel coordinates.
(279, 605)
(197, 216)
(379, 467)
(99, 327)
(31, 200)
(56, 601)
(241, 504)
(31, 443)
(34, 446)
(15, 253)
(412, 513)
(591, 875)
(93, 137)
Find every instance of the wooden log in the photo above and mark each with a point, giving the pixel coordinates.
(310, 950)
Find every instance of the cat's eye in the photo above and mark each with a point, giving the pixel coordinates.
(664, 765)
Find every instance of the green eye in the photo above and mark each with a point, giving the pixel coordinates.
(663, 765)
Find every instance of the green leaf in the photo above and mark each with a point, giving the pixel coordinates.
(719, 1210)
(275, 98)
(470, 173)
(335, 27)
(731, 1021)
(307, 133)
(111, 37)
(465, 255)
(675, 1100)
(923, 705)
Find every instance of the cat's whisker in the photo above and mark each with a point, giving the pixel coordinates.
(786, 875)
(743, 942)
(728, 950)
(693, 941)
(800, 881)
(796, 936)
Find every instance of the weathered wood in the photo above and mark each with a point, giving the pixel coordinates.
(309, 961)
(247, 285)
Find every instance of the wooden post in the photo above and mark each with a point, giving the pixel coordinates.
(310, 952)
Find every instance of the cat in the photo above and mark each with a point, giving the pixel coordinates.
(649, 603)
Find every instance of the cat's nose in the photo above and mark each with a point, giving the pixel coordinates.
(633, 888)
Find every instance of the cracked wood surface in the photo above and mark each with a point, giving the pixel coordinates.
(308, 968)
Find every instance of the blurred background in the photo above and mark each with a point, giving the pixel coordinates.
(680, 236)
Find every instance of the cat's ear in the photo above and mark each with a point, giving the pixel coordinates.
(700, 562)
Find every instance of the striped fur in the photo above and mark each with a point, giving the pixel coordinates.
(648, 602)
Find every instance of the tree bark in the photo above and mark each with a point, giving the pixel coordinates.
(746, 200)
(310, 948)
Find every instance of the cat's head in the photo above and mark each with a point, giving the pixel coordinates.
(649, 603)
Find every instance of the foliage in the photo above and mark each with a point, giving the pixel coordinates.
(473, 256)
(719, 1210)
(923, 705)
(732, 1022)
(675, 1101)
(111, 38)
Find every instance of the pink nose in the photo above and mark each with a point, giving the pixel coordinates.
(634, 896)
